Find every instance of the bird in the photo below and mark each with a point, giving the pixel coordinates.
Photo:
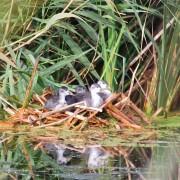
(97, 94)
(105, 91)
(80, 93)
(52, 102)
(58, 152)
(58, 100)
(93, 99)
(90, 98)
(63, 92)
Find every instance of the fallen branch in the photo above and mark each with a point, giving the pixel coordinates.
(89, 108)
(53, 123)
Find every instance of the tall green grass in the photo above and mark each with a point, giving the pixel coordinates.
(15, 16)
(167, 80)
(77, 42)
(169, 63)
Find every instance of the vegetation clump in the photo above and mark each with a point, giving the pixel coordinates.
(47, 44)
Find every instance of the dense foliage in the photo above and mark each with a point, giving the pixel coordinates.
(81, 41)
(132, 44)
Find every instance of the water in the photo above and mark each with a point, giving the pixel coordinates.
(153, 154)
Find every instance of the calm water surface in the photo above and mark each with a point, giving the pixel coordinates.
(157, 158)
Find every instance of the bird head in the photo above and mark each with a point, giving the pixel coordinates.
(80, 90)
(103, 84)
(95, 88)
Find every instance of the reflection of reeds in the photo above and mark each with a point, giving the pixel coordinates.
(165, 163)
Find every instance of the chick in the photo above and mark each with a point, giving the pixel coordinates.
(93, 99)
(105, 92)
(80, 93)
(58, 100)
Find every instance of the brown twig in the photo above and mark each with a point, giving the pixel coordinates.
(138, 111)
(89, 108)
(118, 112)
(156, 37)
(44, 115)
(61, 120)
(134, 107)
(80, 117)
(53, 123)
(123, 120)
(109, 100)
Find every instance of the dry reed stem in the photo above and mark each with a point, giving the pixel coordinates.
(139, 112)
(80, 126)
(53, 123)
(72, 125)
(80, 117)
(127, 165)
(89, 108)
(118, 112)
(39, 99)
(135, 108)
(28, 159)
(136, 86)
(133, 166)
(27, 95)
(74, 115)
(109, 100)
(156, 37)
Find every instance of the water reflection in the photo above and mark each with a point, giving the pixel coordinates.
(59, 151)
(97, 157)
(118, 162)
(115, 161)
(164, 163)
(56, 160)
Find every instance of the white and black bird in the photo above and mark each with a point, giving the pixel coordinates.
(93, 99)
(81, 92)
(105, 91)
(90, 98)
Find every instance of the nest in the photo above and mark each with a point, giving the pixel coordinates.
(118, 107)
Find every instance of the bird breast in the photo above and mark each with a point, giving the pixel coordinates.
(96, 100)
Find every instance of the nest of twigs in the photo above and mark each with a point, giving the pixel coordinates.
(117, 106)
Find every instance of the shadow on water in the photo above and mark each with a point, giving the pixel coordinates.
(151, 159)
